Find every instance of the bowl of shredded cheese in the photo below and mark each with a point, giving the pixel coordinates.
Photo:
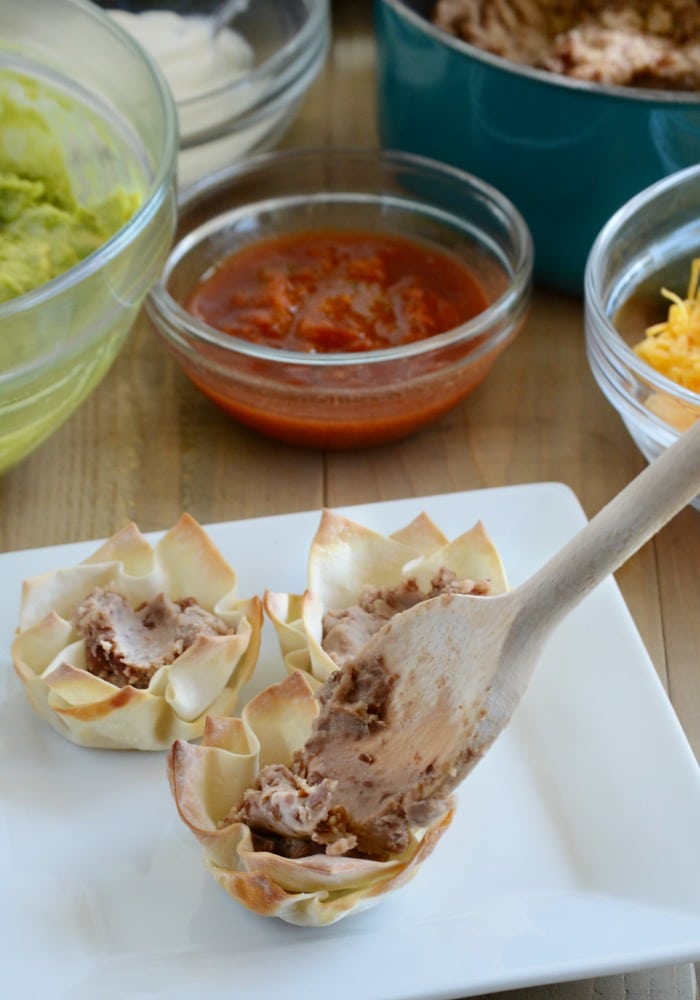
(642, 306)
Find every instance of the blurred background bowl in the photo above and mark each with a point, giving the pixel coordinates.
(649, 244)
(352, 399)
(113, 119)
(568, 153)
(238, 69)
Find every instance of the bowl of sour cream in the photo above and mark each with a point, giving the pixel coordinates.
(238, 69)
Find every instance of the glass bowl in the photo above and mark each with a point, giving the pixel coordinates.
(108, 116)
(649, 244)
(350, 399)
(238, 69)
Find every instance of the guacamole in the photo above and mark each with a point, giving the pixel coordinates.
(44, 230)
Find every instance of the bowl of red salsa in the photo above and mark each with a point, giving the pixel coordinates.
(342, 298)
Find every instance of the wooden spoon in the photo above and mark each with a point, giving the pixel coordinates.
(452, 669)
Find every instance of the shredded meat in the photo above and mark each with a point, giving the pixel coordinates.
(637, 43)
(126, 646)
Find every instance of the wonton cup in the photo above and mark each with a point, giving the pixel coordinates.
(49, 656)
(345, 557)
(209, 780)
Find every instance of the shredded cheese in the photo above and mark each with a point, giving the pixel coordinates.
(673, 347)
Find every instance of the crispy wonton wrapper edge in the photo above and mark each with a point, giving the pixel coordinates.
(49, 656)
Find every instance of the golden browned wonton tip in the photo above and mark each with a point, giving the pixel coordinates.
(346, 557)
(208, 782)
(51, 658)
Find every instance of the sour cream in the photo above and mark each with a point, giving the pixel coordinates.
(194, 59)
(207, 72)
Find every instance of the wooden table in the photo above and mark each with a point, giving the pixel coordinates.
(147, 446)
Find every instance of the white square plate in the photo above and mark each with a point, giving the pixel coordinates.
(575, 850)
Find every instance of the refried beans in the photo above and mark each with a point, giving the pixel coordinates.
(631, 43)
(299, 810)
(126, 646)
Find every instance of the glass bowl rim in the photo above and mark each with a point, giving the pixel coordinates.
(289, 54)
(162, 305)
(598, 323)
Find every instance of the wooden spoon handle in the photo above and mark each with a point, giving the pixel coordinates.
(621, 528)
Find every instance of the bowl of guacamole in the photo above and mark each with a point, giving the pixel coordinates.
(88, 148)
(44, 228)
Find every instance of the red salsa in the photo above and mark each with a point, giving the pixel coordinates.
(334, 291)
